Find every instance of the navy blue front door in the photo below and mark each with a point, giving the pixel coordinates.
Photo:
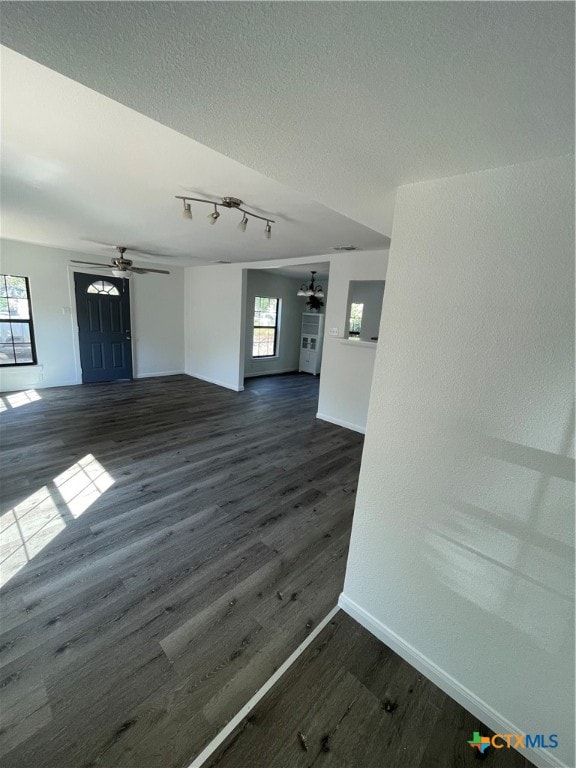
(103, 312)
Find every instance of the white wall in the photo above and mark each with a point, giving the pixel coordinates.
(347, 367)
(158, 321)
(462, 544)
(215, 324)
(157, 303)
(216, 348)
(261, 283)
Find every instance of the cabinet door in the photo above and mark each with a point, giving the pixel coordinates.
(308, 362)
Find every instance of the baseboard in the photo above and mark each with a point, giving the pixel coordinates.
(229, 728)
(341, 423)
(270, 373)
(158, 373)
(44, 384)
(451, 686)
(215, 381)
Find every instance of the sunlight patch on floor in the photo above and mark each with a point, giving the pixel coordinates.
(18, 399)
(82, 483)
(26, 529)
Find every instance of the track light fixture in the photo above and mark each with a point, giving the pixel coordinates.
(227, 202)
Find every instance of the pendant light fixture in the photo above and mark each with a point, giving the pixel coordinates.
(312, 289)
(226, 202)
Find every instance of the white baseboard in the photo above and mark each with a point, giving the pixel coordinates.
(11, 387)
(222, 735)
(253, 375)
(341, 423)
(157, 373)
(466, 698)
(215, 381)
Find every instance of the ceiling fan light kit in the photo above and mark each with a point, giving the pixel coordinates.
(226, 202)
(121, 267)
(124, 273)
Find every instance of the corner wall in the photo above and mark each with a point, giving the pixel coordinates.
(215, 324)
(346, 377)
(462, 551)
(157, 306)
(216, 348)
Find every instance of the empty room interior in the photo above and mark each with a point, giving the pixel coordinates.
(287, 384)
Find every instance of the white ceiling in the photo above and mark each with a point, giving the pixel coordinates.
(80, 170)
(341, 101)
(302, 272)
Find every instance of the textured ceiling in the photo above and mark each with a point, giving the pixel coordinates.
(342, 101)
(80, 170)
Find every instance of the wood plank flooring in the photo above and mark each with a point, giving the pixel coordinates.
(166, 545)
(351, 702)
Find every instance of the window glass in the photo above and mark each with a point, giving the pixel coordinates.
(16, 330)
(356, 311)
(103, 286)
(265, 326)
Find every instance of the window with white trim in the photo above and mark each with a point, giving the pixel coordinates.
(265, 336)
(17, 345)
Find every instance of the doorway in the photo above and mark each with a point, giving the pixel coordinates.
(103, 314)
(282, 335)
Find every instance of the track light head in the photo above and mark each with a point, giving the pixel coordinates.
(243, 224)
(214, 216)
(187, 212)
(268, 231)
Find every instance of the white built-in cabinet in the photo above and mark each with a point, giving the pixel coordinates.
(311, 342)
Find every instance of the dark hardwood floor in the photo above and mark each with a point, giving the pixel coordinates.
(166, 545)
(351, 702)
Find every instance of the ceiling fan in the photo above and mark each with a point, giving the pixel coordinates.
(122, 267)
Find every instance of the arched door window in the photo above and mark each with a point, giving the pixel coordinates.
(103, 286)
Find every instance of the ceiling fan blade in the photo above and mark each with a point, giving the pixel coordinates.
(92, 263)
(143, 271)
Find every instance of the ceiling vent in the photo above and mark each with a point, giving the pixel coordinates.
(344, 248)
(220, 262)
